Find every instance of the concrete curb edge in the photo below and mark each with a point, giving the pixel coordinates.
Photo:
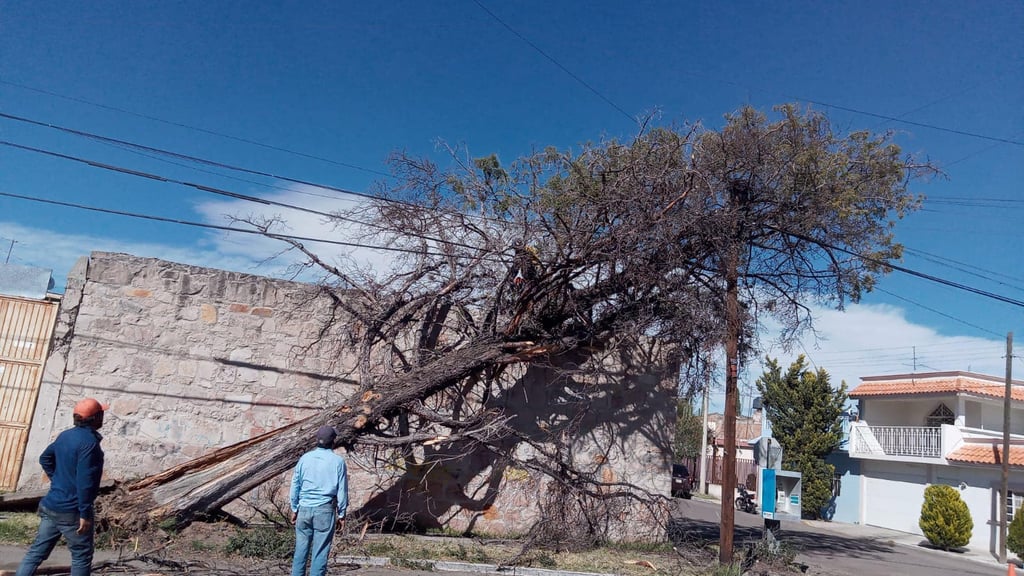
(449, 566)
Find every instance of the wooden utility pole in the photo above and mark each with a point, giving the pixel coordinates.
(732, 340)
(1005, 460)
(704, 441)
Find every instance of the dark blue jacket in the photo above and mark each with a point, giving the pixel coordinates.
(74, 463)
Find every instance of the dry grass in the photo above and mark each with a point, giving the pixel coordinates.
(210, 542)
(626, 560)
(18, 527)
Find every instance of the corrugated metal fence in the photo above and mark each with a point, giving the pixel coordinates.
(746, 471)
(26, 327)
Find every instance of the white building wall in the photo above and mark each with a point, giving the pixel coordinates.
(979, 488)
(894, 493)
(903, 412)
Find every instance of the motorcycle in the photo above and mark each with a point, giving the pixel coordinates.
(745, 501)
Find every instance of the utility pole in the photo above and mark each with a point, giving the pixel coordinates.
(1005, 460)
(8, 259)
(732, 340)
(704, 441)
(729, 420)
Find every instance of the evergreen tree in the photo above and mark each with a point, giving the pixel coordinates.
(689, 430)
(804, 411)
(945, 519)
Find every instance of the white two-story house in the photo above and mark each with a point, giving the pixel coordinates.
(936, 428)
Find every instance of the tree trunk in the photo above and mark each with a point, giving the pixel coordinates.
(209, 482)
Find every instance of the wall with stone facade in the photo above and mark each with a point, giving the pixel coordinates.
(192, 359)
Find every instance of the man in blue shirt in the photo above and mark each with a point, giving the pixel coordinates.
(319, 500)
(74, 465)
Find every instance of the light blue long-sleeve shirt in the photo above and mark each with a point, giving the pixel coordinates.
(319, 478)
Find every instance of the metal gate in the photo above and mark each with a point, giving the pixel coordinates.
(26, 327)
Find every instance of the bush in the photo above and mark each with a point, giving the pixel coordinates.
(1015, 537)
(262, 542)
(945, 519)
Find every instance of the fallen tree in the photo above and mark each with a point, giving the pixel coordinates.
(564, 255)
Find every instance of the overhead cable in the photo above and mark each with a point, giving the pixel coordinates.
(195, 128)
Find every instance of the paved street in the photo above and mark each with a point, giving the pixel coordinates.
(833, 548)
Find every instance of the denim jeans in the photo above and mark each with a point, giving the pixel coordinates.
(52, 525)
(314, 531)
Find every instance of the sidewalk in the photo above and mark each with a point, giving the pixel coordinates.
(11, 555)
(901, 538)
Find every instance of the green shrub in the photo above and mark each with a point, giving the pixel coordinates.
(262, 542)
(1015, 537)
(945, 519)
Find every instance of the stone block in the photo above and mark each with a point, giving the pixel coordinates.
(208, 314)
(262, 312)
(238, 308)
(269, 378)
(164, 367)
(138, 292)
(188, 313)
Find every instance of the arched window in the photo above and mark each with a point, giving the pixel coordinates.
(941, 415)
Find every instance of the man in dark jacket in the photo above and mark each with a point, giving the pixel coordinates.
(74, 465)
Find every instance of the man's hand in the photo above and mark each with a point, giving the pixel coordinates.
(295, 516)
(341, 525)
(84, 525)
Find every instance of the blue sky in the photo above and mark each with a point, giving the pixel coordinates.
(351, 82)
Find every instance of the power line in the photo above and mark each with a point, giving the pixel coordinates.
(939, 312)
(195, 128)
(555, 62)
(963, 267)
(913, 123)
(959, 346)
(905, 270)
(217, 191)
(137, 148)
(818, 102)
(223, 228)
(196, 159)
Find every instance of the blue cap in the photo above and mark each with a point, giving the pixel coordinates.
(326, 435)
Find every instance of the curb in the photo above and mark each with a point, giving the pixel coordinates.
(449, 566)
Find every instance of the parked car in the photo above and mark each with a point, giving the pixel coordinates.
(682, 486)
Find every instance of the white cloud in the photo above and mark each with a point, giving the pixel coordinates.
(870, 340)
(874, 340)
(59, 252)
(250, 253)
(296, 223)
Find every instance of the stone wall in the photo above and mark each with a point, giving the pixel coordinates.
(192, 359)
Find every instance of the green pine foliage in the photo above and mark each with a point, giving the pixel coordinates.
(804, 410)
(689, 430)
(945, 519)
(1015, 537)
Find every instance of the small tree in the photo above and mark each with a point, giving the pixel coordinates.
(945, 519)
(689, 430)
(1015, 538)
(804, 411)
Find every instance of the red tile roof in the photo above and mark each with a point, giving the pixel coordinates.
(940, 383)
(986, 454)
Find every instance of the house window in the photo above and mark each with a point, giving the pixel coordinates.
(941, 415)
(1014, 502)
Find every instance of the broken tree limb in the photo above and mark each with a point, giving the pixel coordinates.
(209, 482)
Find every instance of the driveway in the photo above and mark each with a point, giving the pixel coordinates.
(834, 548)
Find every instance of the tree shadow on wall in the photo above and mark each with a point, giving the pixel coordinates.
(590, 411)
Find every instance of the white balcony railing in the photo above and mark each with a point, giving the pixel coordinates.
(917, 441)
